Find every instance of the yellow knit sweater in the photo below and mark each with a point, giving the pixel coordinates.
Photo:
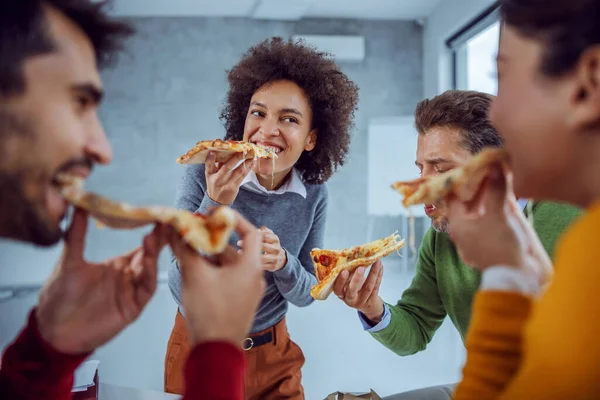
(549, 349)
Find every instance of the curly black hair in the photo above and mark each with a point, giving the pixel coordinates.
(332, 96)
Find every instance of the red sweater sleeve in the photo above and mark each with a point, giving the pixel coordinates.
(215, 371)
(32, 369)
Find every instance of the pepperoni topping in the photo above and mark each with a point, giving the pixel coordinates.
(315, 259)
(324, 260)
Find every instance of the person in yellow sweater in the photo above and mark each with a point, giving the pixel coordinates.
(534, 336)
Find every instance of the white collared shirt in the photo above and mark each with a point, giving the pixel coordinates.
(293, 184)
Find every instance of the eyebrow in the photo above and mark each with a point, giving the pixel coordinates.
(434, 161)
(89, 89)
(283, 110)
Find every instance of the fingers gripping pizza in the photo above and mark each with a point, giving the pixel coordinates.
(209, 234)
(330, 263)
(224, 149)
(464, 182)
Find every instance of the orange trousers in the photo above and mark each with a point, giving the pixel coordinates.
(274, 368)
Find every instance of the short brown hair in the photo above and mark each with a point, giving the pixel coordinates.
(566, 28)
(332, 96)
(24, 34)
(463, 110)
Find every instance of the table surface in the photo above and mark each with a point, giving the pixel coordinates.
(114, 392)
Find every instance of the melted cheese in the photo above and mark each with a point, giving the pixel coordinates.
(268, 153)
(273, 173)
(411, 235)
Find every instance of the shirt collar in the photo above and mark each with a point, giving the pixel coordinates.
(293, 184)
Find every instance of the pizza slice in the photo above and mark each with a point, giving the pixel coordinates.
(330, 263)
(464, 182)
(224, 150)
(209, 234)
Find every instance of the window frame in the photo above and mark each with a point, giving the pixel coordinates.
(455, 43)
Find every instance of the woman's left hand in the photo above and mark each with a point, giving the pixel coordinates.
(274, 257)
(492, 230)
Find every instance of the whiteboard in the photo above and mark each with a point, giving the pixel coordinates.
(392, 148)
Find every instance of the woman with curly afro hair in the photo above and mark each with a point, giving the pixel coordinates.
(296, 101)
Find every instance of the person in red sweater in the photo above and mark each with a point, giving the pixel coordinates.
(50, 90)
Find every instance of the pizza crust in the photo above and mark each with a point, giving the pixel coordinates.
(464, 181)
(345, 260)
(224, 150)
(209, 234)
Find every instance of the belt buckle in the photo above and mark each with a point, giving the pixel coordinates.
(247, 344)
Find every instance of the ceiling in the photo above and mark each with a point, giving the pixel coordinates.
(279, 9)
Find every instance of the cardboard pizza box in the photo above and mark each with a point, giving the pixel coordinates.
(353, 396)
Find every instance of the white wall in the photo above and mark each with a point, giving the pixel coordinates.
(392, 142)
(446, 19)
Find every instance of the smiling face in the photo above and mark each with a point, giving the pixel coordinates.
(439, 150)
(51, 128)
(280, 117)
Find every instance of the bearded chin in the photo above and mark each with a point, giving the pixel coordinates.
(440, 225)
(22, 218)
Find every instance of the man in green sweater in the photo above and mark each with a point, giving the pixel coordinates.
(452, 128)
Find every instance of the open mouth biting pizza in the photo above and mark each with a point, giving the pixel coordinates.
(330, 263)
(209, 234)
(464, 182)
(224, 150)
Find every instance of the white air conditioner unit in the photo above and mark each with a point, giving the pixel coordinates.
(343, 48)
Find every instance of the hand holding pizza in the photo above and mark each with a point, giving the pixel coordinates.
(223, 180)
(221, 294)
(493, 231)
(84, 305)
(360, 293)
(274, 257)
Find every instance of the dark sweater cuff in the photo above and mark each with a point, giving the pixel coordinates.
(207, 204)
(287, 272)
(215, 370)
(32, 367)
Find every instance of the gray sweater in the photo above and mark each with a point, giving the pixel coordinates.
(298, 222)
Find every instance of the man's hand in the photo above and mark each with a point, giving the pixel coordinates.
(360, 293)
(274, 257)
(84, 305)
(221, 295)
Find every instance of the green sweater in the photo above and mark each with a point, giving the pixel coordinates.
(444, 285)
